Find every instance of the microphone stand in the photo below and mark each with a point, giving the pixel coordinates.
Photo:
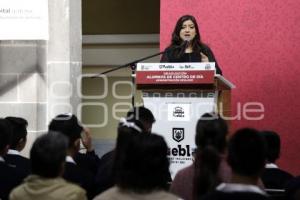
(132, 66)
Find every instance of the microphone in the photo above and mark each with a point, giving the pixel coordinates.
(186, 43)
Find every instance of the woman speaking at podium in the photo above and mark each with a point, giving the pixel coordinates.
(186, 44)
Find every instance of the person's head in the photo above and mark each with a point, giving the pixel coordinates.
(142, 165)
(186, 29)
(19, 136)
(211, 132)
(5, 136)
(142, 117)
(272, 140)
(247, 153)
(48, 154)
(70, 127)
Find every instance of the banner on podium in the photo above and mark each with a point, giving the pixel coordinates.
(175, 73)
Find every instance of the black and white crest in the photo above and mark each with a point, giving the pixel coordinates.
(178, 134)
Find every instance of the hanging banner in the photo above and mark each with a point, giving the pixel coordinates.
(24, 20)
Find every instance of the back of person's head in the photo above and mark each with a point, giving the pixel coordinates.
(142, 165)
(272, 140)
(247, 153)
(67, 125)
(48, 154)
(142, 116)
(19, 136)
(5, 135)
(211, 132)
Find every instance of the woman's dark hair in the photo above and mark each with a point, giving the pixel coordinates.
(142, 117)
(211, 131)
(176, 41)
(247, 152)
(5, 134)
(67, 125)
(141, 165)
(272, 140)
(48, 154)
(19, 128)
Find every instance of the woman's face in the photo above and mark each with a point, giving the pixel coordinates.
(188, 31)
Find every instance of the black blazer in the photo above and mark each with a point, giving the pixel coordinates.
(81, 177)
(218, 195)
(9, 179)
(275, 178)
(168, 56)
(105, 177)
(88, 161)
(21, 163)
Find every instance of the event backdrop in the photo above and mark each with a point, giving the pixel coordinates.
(257, 45)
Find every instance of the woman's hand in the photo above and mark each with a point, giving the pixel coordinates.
(204, 58)
(86, 139)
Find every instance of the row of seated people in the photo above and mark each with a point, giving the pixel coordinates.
(138, 167)
(86, 170)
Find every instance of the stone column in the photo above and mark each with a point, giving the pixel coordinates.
(38, 79)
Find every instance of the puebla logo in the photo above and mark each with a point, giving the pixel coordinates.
(178, 112)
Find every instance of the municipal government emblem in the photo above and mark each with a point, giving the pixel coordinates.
(178, 134)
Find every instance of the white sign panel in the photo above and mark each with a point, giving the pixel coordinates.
(179, 112)
(24, 20)
(176, 117)
(195, 66)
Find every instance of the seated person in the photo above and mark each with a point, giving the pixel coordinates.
(273, 177)
(47, 156)
(210, 166)
(69, 126)
(141, 168)
(140, 119)
(246, 157)
(18, 142)
(292, 189)
(9, 176)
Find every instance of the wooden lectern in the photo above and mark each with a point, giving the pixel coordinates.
(178, 94)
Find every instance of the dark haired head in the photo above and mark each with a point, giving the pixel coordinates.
(211, 132)
(67, 125)
(48, 154)
(272, 140)
(142, 164)
(176, 40)
(142, 116)
(19, 128)
(5, 135)
(247, 153)
(177, 44)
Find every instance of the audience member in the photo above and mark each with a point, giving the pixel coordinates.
(18, 142)
(9, 176)
(70, 127)
(246, 157)
(210, 167)
(139, 119)
(273, 177)
(48, 155)
(292, 189)
(142, 116)
(89, 160)
(141, 168)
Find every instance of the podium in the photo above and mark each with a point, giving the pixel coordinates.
(178, 94)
